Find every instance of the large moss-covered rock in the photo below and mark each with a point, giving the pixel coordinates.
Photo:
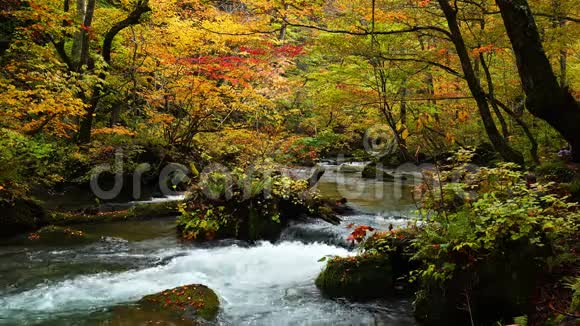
(189, 302)
(358, 277)
(139, 316)
(150, 210)
(248, 207)
(20, 215)
(380, 271)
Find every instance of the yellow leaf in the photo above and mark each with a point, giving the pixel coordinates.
(193, 169)
(399, 126)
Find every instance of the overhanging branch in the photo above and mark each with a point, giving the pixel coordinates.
(134, 18)
(429, 62)
(411, 29)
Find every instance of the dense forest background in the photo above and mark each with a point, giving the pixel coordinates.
(291, 81)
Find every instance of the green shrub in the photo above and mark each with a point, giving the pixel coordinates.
(26, 161)
(503, 230)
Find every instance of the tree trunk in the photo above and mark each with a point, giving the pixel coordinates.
(284, 27)
(491, 94)
(86, 125)
(88, 21)
(81, 9)
(403, 109)
(498, 142)
(134, 17)
(546, 99)
(564, 68)
(558, 22)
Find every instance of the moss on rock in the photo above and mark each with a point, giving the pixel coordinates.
(138, 316)
(358, 277)
(188, 302)
(247, 207)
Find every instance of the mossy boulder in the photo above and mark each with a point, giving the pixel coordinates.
(139, 316)
(381, 271)
(248, 207)
(189, 302)
(57, 235)
(361, 277)
(20, 215)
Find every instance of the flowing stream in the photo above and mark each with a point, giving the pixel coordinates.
(258, 284)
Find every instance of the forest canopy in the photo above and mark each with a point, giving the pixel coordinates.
(289, 81)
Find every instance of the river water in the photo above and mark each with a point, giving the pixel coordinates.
(258, 284)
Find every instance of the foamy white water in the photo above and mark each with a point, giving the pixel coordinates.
(269, 281)
(168, 198)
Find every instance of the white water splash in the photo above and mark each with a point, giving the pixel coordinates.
(168, 198)
(252, 282)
